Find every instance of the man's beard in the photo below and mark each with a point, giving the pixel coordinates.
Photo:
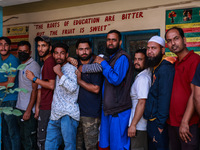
(5, 54)
(61, 62)
(45, 54)
(154, 61)
(85, 58)
(111, 51)
(139, 70)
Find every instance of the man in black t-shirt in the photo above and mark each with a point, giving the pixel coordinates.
(196, 82)
(89, 99)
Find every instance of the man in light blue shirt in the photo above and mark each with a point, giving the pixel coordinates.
(65, 112)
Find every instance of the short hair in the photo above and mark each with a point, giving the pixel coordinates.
(143, 51)
(62, 45)
(117, 32)
(83, 41)
(8, 41)
(180, 30)
(22, 43)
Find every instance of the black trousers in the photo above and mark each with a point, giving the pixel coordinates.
(176, 142)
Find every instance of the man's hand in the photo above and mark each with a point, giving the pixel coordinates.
(98, 60)
(80, 68)
(132, 131)
(73, 61)
(36, 112)
(184, 132)
(26, 115)
(57, 70)
(78, 73)
(30, 75)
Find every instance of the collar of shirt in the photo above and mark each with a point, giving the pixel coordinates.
(185, 58)
(5, 59)
(29, 61)
(91, 59)
(170, 59)
(146, 71)
(154, 68)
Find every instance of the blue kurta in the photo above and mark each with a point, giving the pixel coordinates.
(113, 130)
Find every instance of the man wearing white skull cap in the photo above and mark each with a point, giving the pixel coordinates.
(158, 101)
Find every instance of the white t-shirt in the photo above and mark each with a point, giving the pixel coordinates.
(139, 90)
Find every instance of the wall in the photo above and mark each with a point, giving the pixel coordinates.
(123, 15)
(1, 21)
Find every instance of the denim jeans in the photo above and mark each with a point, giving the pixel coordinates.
(10, 129)
(63, 129)
(157, 140)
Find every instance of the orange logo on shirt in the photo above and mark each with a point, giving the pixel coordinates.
(154, 78)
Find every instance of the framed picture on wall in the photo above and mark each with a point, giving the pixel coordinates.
(189, 20)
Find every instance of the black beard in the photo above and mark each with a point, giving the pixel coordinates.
(61, 63)
(111, 51)
(5, 54)
(86, 58)
(152, 62)
(139, 70)
(45, 54)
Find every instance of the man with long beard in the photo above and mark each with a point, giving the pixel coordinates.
(89, 99)
(118, 73)
(47, 83)
(157, 103)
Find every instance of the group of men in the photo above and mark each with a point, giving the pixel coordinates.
(166, 99)
(68, 100)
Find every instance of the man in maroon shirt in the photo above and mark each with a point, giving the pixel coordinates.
(183, 120)
(47, 82)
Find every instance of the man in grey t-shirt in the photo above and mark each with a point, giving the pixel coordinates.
(26, 101)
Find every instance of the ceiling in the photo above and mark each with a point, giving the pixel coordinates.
(12, 7)
(4, 3)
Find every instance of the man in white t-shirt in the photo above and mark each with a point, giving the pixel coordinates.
(139, 93)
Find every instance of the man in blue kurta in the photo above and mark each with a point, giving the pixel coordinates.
(117, 103)
(10, 129)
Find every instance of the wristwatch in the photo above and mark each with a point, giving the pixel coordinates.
(34, 79)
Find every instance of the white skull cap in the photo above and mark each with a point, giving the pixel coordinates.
(158, 40)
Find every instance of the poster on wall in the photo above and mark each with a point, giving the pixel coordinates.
(189, 20)
(17, 34)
